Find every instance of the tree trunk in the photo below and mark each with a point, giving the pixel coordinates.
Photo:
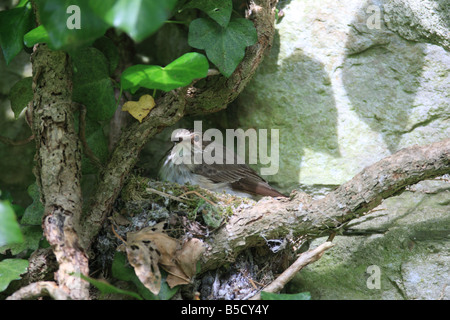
(58, 165)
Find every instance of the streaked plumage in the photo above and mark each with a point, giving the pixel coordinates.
(236, 179)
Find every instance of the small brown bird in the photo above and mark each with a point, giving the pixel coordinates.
(180, 166)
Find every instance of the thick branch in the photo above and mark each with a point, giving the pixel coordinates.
(278, 218)
(58, 165)
(39, 289)
(207, 95)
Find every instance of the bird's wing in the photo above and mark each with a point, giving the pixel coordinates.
(240, 176)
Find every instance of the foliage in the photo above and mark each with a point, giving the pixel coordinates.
(139, 19)
(9, 228)
(177, 74)
(10, 235)
(33, 213)
(54, 17)
(225, 47)
(92, 86)
(11, 269)
(106, 288)
(14, 24)
(123, 271)
(20, 95)
(217, 34)
(219, 11)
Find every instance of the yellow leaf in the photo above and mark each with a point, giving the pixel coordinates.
(140, 109)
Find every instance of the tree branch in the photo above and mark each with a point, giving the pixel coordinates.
(14, 143)
(204, 96)
(275, 218)
(58, 165)
(39, 289)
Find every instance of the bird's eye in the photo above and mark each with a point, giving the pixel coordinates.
(196, 138)
(175, 140)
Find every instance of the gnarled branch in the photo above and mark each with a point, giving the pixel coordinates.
(275, 218)
(39, 289)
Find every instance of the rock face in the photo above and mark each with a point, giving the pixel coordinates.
(426, 21)
(348, 83)
(345, 91)
(400, 251)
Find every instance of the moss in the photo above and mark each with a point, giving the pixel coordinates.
(197, 204)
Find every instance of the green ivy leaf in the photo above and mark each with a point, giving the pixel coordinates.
(138, 18)
(22, 3)
(225, 47)
(20, 95)
(108, 48)
(9, 228)
(54, 17)
(219, 10)
(92, 86)
(11, 269)
(107, 288)
(14, 23)
(122, 271)
(18, 210)
(32, 236)
(34, 212)
(178, 73)
(285, 296)
(36, 35)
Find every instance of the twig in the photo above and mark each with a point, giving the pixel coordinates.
(442, 295)
(14, 143)
(39, 289)
(252, 283)
(303, 260)
(82, 135)
(117, 235)
(331, 237)
(199, 195)
(163, 194)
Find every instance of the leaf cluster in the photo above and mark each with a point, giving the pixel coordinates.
(218, 36)
(20, 235)
(220, 33)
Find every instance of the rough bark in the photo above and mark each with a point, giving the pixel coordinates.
(58, 165)
(279, 218)
(204, 96)
(40, 289)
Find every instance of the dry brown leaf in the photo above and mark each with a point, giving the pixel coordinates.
(144, 258)
(186, 262)
(167, 246)
(139, 109)
(188, 256)
(176, 276)
(150, 246)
